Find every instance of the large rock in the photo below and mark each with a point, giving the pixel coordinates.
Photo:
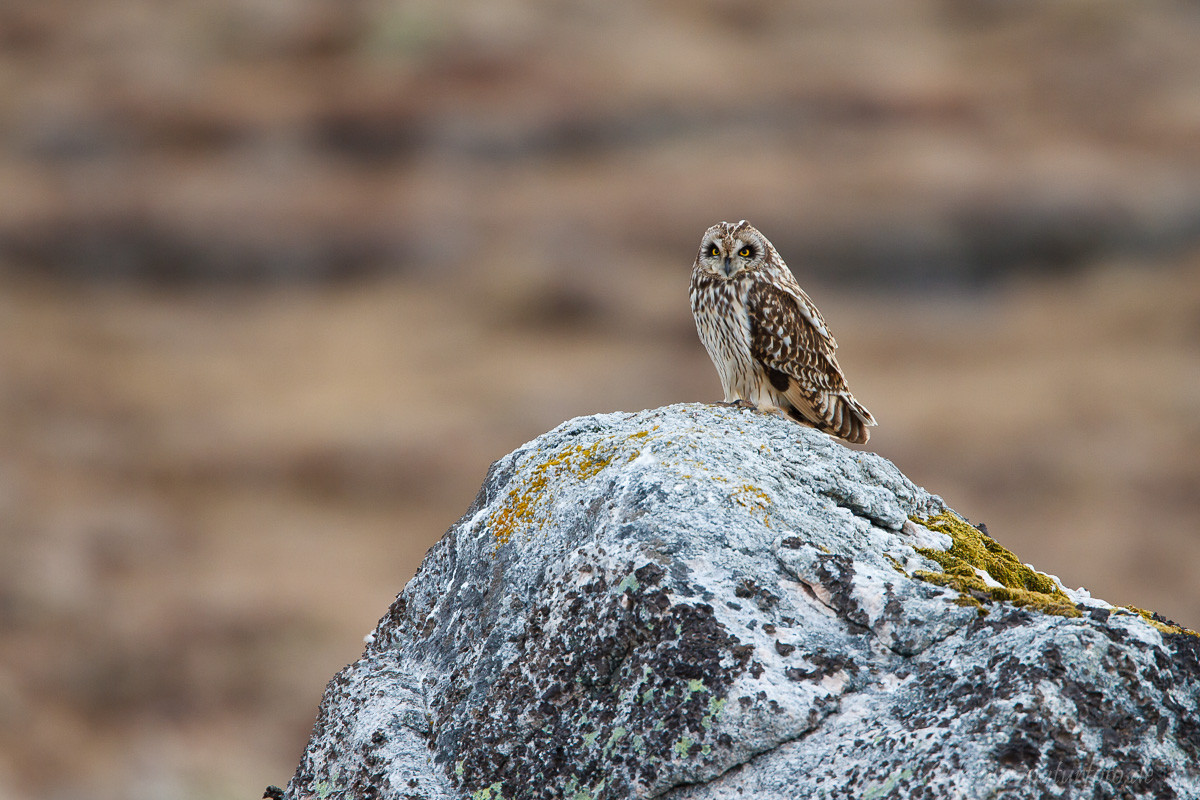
(706, 602)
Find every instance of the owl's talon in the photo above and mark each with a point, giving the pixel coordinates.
(739, 403)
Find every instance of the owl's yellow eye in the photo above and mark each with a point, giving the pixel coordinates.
(713, 250)
(745, 252)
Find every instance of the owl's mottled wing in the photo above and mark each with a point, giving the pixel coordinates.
(798, 359)
(784, 340)
(783, 279)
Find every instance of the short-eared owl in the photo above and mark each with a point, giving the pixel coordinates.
(769, 343)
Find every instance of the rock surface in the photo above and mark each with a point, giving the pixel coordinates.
(705, 602)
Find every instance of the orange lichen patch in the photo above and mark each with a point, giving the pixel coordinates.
(754, 499)
(751, 497)
(527, 505)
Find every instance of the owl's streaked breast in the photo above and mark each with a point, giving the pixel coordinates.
(723, 322)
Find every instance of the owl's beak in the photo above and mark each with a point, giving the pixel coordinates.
(728, 272)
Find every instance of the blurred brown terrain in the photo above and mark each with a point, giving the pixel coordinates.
(279, 281)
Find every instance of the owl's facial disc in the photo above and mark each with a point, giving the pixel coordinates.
(727, 250)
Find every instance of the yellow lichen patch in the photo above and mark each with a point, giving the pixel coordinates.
(971, 550)
(527, 503)
(640, 439)
(753, 498)
(1161, 625)
(680, 466)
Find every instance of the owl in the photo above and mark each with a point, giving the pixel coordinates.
(768, 341)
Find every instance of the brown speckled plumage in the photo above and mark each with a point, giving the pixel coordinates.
(770, 345)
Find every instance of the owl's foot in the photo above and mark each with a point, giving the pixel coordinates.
(739, 403)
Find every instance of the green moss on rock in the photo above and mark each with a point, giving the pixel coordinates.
(1161, 623)
(971, 552)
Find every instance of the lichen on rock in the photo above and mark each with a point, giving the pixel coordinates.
(705, 602)
(578, 694)
(526, 503)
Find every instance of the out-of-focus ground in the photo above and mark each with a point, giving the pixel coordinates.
(278, 281)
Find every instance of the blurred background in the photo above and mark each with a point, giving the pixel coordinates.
(278, 281)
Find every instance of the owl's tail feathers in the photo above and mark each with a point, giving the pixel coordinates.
(843, 416)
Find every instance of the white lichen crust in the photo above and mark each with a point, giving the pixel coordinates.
(708, 602)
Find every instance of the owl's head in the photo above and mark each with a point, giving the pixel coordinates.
(728, 248)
